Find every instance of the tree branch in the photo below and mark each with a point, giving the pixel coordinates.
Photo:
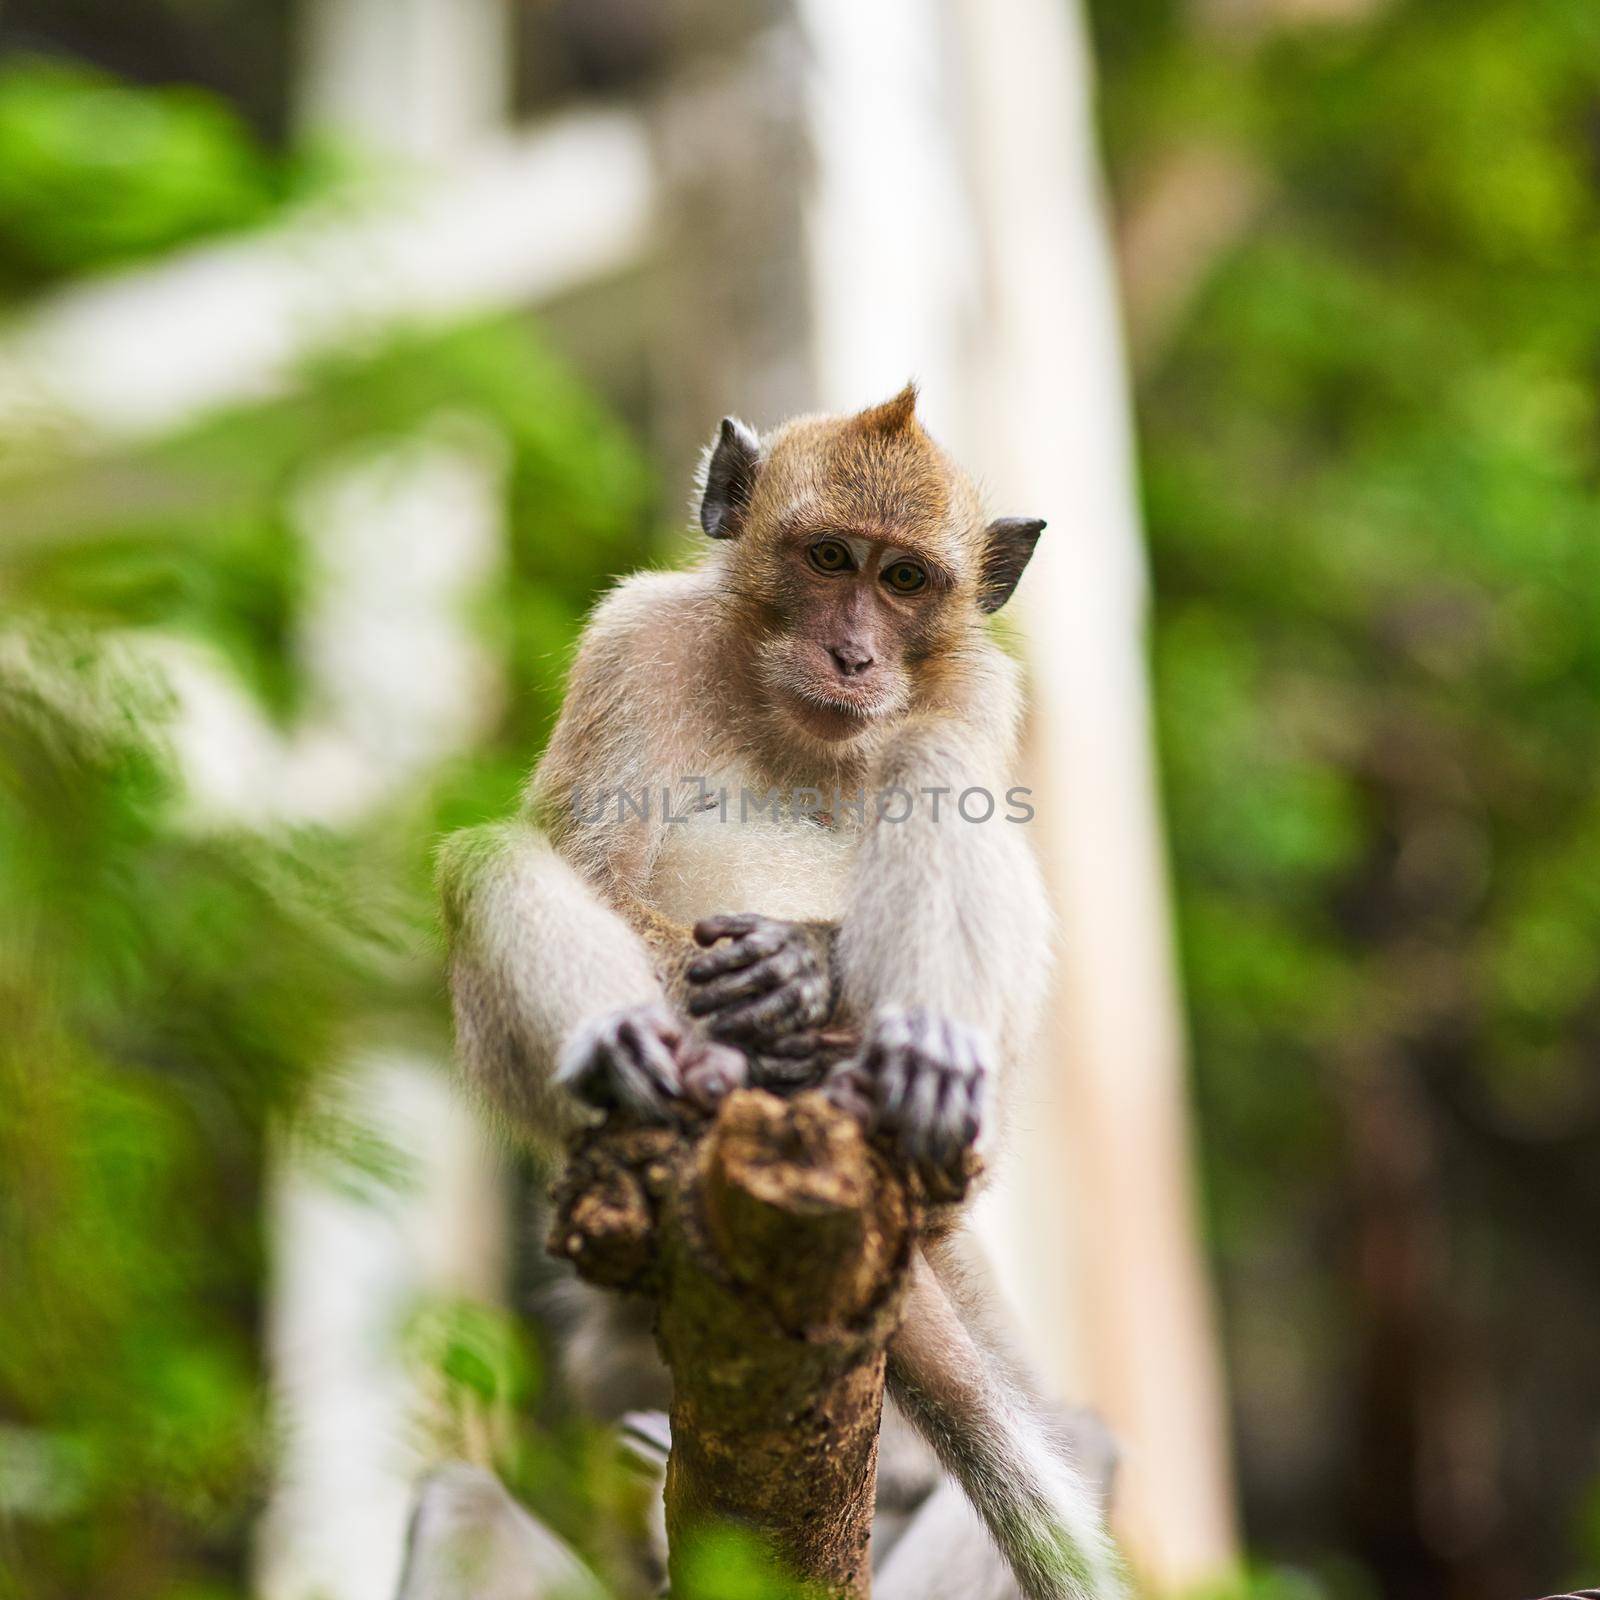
(776, 1241)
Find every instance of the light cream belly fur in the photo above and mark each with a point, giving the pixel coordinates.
(795, 870)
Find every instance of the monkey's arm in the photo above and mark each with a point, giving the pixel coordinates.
(944, 946)
(535, 958)
(558, 1001)
(941, 912)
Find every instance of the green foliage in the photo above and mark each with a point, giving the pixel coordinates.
(1371, 456)
(171, 992)
(163, 995)
(729, 1564)
(1264, 1583)
(1586, 1536)
(199, 534)
(94, 173)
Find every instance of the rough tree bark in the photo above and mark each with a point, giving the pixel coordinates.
(776, 1240)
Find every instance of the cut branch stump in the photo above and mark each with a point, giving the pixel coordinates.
(776, 1241)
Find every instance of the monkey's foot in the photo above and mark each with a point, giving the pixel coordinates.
(765, 980)
(803, 1060)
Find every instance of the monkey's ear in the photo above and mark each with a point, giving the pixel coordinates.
(893, 415)
(1009, 549)
(730, 476)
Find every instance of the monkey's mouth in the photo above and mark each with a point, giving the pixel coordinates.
(833, 715)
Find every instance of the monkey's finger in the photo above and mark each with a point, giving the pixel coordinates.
(616, 1079)
(890, 1070)
(740, 951)
(756, 1021)
(958, 1120)
(849, 1090)
(644, 1048)
(870, 1062)
(798, 1046)
(785, 1072)
(921, 1132)
(888, 1039)
(591, 1079)
(942, 1130)
(971, 1115)
(657, 1018)
(759, 979)
(969, 1095)
(954, 1066)
(754, 1024)
(732, 926)
(631, 1088)
(729, 957)
(972, 1056)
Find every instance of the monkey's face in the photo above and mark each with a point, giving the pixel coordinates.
(863, 540)
(857, 561)
(855, 613)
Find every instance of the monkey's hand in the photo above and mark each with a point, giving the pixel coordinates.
(765, 982)
(642, 1060)
(921, 1080)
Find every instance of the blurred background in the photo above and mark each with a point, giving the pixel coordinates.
(350, 348)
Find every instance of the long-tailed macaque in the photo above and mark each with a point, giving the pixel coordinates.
(774, 814)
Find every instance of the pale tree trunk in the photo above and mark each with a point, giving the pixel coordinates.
(401, 541)
(407, 78)
(957, 235)
(1113, 1099)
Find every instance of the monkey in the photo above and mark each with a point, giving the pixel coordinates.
(746, 855)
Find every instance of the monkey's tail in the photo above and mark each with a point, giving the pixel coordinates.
(1039, 1509)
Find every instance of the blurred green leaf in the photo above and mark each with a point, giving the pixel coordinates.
(94, 173)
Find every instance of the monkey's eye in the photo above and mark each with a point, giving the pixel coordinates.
(831, 555)
(905, 577)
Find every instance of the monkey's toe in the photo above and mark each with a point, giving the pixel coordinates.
(717, 993)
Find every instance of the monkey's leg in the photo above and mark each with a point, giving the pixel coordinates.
(470, 1540)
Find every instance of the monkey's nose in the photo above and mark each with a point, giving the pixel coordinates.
(850, 659)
